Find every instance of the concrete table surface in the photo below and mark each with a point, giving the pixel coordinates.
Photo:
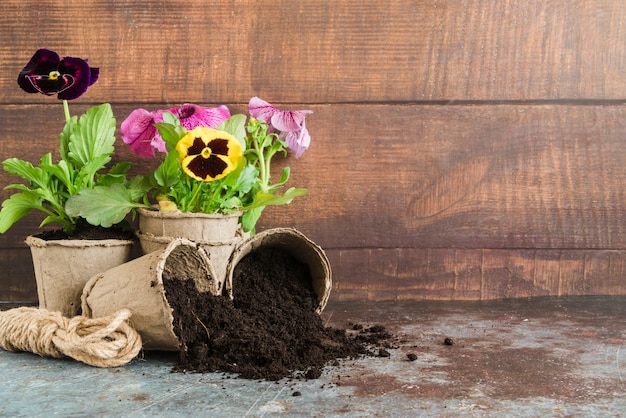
(516, 357)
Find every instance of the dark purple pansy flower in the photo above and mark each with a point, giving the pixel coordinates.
(48, 74)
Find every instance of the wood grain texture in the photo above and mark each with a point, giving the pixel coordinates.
(420, 176)
(327, 51)
(17, 277)
(465, 177)
(462, 149)
(470, 274)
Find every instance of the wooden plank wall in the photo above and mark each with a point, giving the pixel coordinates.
(462, 149)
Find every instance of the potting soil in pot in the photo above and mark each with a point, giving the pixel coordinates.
(87, 231)
(270, 329)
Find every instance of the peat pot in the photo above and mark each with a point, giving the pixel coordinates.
(218, 234)
(62, 267)
(138, 286)
(298, 246)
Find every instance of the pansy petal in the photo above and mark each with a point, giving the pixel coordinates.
(26, 85)
(51, 85)
(206, 169)
(219, 146)
(42, 63)
(298, 141)
(261, 110)
(157, 115)
(80, 70)
(187, 142)
(193, 116)
(214, 116)
(143, 146)
(138, 132)
(158, 143)
(135, 124)
(197, 146)
(289, 120)
(94, 73)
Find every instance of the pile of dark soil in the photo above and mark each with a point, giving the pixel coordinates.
(270, 329)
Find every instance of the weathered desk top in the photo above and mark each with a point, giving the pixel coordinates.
(530, 357)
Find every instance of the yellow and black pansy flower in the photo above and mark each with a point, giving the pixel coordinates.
(208, 154)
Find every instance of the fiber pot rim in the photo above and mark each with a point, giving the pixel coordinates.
(164, 240)
(33, 241)
(177, 214)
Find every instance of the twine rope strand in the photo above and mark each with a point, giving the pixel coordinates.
(101, 342)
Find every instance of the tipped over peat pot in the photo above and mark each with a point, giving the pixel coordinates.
(138, 286)
(299, 247)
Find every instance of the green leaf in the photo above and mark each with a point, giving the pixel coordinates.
(102, 205)
(17, 186)
(170, 130)
(236, 126)
(62, 172)
(242, 180)
(265, 199)
(64, 137)
(138, 186)
(250, 218)
(87, 173)
(66, 223)
(171, 119)
(26, 170)
(16, 207)
(117, 174)
(231, 203)
(120, 169)
(284, 176)
(93, 136)
(168, 172)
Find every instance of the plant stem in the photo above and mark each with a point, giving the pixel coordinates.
(262, 169)
(217, 191)
(259, 146)
(66, 110)
(268, 160)
(195, 191)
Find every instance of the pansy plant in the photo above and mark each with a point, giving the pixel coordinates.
(85, 147)
(212, 162)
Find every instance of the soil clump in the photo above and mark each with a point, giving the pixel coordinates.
(270, 329)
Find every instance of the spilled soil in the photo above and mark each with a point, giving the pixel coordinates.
(270, 329)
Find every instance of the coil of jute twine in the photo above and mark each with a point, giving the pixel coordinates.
(101, 342)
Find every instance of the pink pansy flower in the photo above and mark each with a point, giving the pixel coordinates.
(290, 123)
(139, 132)
(298, 141)
(193, 116)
